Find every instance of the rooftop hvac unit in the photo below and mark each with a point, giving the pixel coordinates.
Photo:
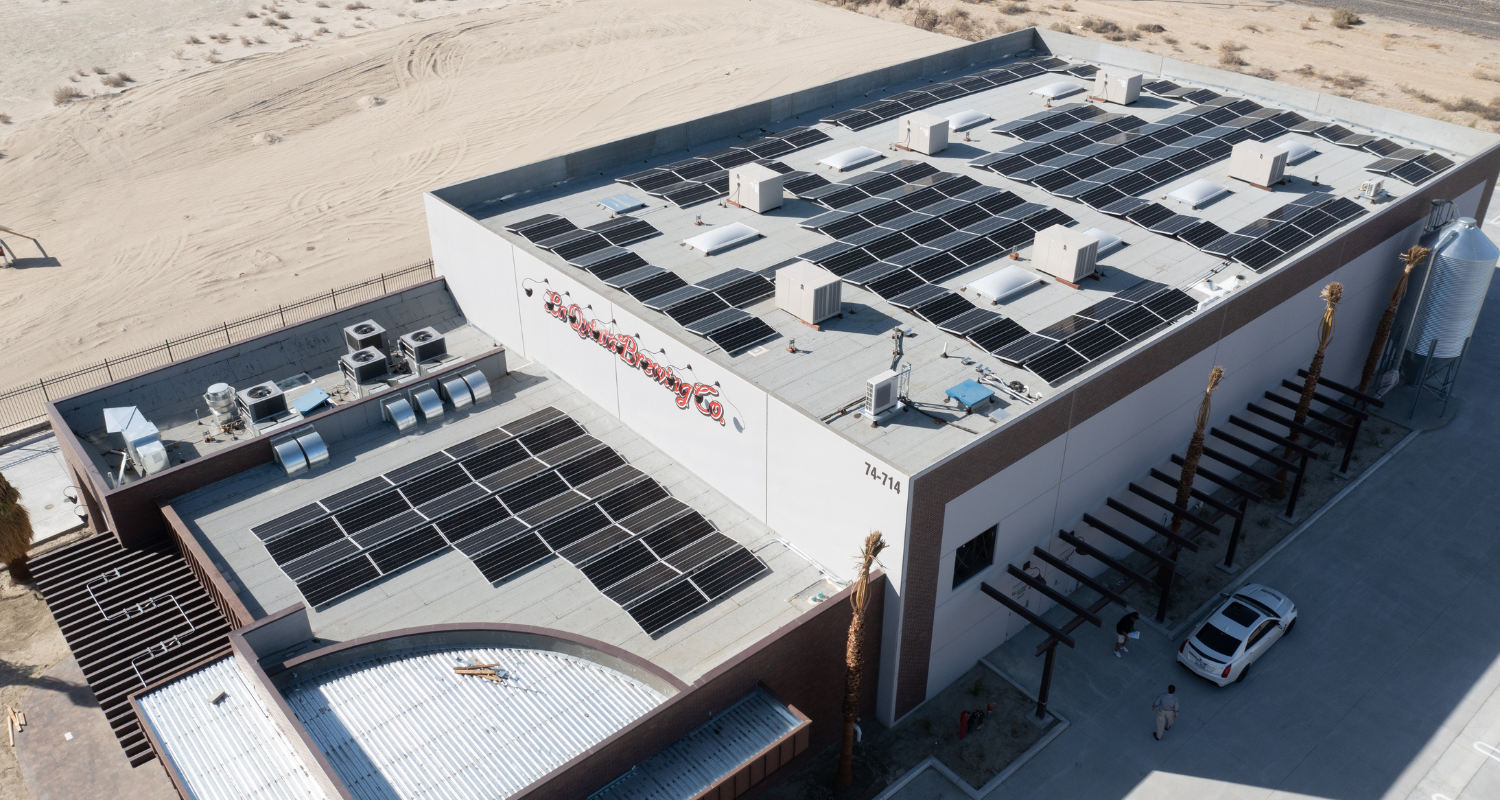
(422, 345)
(261, 402)
(1117, 86)
(922, 132)
(131, 432)
(810, 292)
(880, 393)
(755, 188)
(362, 367)
(1372, 189)
(1258, 164)
(365, 334)
(1068, 255)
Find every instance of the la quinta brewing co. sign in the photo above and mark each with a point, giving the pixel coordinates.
(700, 396)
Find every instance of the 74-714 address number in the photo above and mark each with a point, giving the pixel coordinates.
(885, 479)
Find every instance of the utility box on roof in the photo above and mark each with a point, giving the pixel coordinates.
(922, 132)
(1117, 86)
(1066, 254)
(1258, 163)
(810, 292)
(755, 188)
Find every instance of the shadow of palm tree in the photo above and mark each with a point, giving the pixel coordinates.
(79, 694)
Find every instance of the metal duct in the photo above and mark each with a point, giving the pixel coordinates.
(1453, 291)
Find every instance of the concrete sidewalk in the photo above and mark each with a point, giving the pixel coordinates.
(1390, 685)
(35, 466)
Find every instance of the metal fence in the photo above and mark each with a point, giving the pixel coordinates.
(22, 406)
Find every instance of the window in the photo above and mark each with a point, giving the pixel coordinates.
(1260, 632)
(1217, 640)
(974, 556)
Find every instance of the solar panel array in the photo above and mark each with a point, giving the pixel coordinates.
(1062, 349)
(888, 108)
(703, 178)
(1081, 152)
(508, 499)
(711, 308)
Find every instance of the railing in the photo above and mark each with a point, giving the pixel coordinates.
(23, 406)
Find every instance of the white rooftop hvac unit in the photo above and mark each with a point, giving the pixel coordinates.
(754, 187)
(131, 432)
(921, 132)
(812, 293)
(1117, 86)
(1066, 254)
(1258, 164)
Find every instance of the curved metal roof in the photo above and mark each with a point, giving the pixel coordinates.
(405, 725)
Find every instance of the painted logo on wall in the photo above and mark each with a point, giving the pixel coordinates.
(700, 396)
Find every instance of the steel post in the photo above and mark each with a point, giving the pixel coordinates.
(1046, 689)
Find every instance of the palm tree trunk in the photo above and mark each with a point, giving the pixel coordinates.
(859, 601)
(1332, 294)
(1412, 258)
(1195, 447)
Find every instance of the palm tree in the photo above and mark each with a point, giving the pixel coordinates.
(1195, 447)
(15, 532)
(1411, 258)
(859, 600)
(1332, 294)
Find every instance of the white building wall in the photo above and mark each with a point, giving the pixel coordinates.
(818, 490)
(1053, 487)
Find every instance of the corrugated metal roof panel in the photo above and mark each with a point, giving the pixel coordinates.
(230, 749)
(406, 726)
(710, 753)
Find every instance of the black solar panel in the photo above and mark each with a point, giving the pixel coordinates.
(737, 336)
(304, 540)
(572, 526)
(1149, 215)
(943, 307)
(617, 265)
(996, 334)
(488, 462)
(531, 491)
(511, 557)
(1171, 304)
(1017, 351)
(609, 568)
(1123, 206)
(937, 267)
(1095, 342)
(319, 560)
(1133, 323)
(849, 261)
(976, 252)
(1055, 363)
(301, 516)
(800, 183)
(658, 610)
(971, 320)
(719, 577)
(917, 295)
(655, 285)
(875, 271)
(434, 484)
(747, 290)
(588, 548)
(1173, 225)
(1287, 238)
(695, 308)
(367, 512)
(1259, 255)
(337, 580)
(407, 549)
(1201, 234)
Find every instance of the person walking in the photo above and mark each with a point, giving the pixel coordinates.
(1123, 629)
(1166, 711)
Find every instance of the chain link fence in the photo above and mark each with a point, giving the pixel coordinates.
(23, 406)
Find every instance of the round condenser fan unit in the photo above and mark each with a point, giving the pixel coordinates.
(364, 330)
(259, 393)
(421, 336)
(363, 357)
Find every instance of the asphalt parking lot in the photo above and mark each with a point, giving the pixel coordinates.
(1388, 688)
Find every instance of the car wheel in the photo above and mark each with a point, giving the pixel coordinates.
(1243, 673)
(1289, 626)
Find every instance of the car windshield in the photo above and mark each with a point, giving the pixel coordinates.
(1241, 614)
(1217, 640)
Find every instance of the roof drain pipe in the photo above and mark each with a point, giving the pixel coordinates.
(827, 576)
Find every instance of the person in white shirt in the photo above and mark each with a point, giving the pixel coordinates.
(1166, 711)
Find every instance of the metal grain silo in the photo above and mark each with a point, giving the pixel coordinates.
(1451, 292)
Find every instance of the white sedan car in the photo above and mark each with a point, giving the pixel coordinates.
(1238, 633)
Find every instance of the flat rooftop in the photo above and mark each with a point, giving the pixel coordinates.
(445, 584)
(1069, 333)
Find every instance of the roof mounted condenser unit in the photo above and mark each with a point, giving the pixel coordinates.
(363, 367)
(921, 132)
(1259, 164)
(881, 393)
(811, 293)
(1117, 86)
(1068, 255)
(365, 334)
(261, 402)
(422, 345)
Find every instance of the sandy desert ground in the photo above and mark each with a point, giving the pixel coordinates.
(265, 151)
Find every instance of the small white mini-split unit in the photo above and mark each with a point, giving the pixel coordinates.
(363, 367)
(880, 393)
(365, 334)
(1258, 164)
(261, 402)
(1117, 86)
(755, 188)
(1066, 254)
(421, 346)
(299, 450)
(812, 293)
(921, 132)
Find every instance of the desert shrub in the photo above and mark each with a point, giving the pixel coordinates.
(1013, 9)
(1468, 105)
(1150, 27)
(1416, 94)
(1060, 27)
(63, 95)
(925, 19)
(355, 6)
(1099, 25)
(111, 81)
(100, 71)
(320, 31)
(251, 15)
(1169, 39)
(4, 119)
(1265, 74)
(1229, 54)
(283, 15)
(193, 40)
(1344, 18)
